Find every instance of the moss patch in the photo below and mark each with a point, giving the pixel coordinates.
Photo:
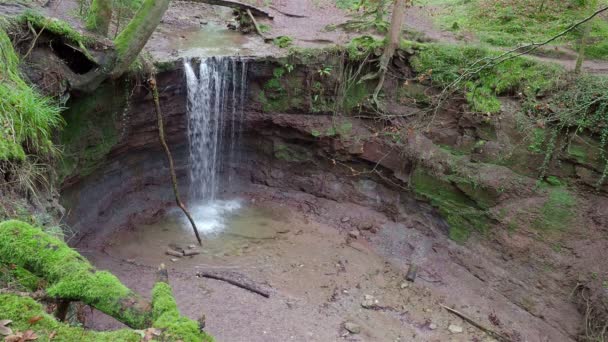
(461, 213)
(558, 210)
(91, 130)
(168, 319)
(21, 309)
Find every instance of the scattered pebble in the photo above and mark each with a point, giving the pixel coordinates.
(366, 225)
(432, 326)
(352, 327)
(354, 234)
(174, 259)
(455, 329)
(404, 285)
(369, 302)
(345, 219)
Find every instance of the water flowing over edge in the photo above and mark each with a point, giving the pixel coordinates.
(216, 96)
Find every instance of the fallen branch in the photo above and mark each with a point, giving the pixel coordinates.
(163, 142)
(288, 14)
(492, 333)
(255, 24)
(235, 279)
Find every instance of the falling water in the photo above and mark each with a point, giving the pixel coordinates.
(216, 94)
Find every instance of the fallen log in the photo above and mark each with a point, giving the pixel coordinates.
(235, 279)
(191, 253)
(237, 5)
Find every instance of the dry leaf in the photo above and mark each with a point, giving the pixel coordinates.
(52, 335)
(13, 338)
(4, 330)
(29, 335)
(34, 319)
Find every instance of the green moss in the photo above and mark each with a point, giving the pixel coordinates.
(462, 214)
(21, 309)
(291, 153)
(168, 319)
(558, 210)
(55, 26)
(91, 130)
(68, 274)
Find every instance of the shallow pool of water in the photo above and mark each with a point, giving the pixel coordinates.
(215, 39)
(227, 228)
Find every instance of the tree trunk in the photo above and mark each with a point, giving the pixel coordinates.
(100, 15)
(392, 41)
(133, 38)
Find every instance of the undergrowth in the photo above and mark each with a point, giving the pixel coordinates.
(520, 77)
(27, 119)
(508, 23)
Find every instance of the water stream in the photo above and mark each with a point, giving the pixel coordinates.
(216, 94)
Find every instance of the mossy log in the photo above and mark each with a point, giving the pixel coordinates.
(71, 277)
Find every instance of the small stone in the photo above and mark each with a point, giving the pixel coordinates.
(191, 246)
(404, 285)
(432, 326)
(352, 327)
(174, 259)
(455, 329)
(369, 302)
(345, 219)
(374, 230)
(354, 234)
(366, 225)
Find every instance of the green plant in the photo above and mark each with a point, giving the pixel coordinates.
(27, 119)
(283, 41)
(325, 71)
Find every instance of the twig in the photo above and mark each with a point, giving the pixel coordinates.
(488, 331)
(255, 24)
(232, 278)
(35, 38)
(161, 134)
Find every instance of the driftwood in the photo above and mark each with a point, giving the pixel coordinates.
(191, 253)
(492, 333)
(235, 279)
(237, 5)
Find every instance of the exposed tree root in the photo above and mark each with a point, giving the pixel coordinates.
(161, 134)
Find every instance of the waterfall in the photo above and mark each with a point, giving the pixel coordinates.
(216, 94)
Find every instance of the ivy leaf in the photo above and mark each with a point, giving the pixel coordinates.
(4, 330)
